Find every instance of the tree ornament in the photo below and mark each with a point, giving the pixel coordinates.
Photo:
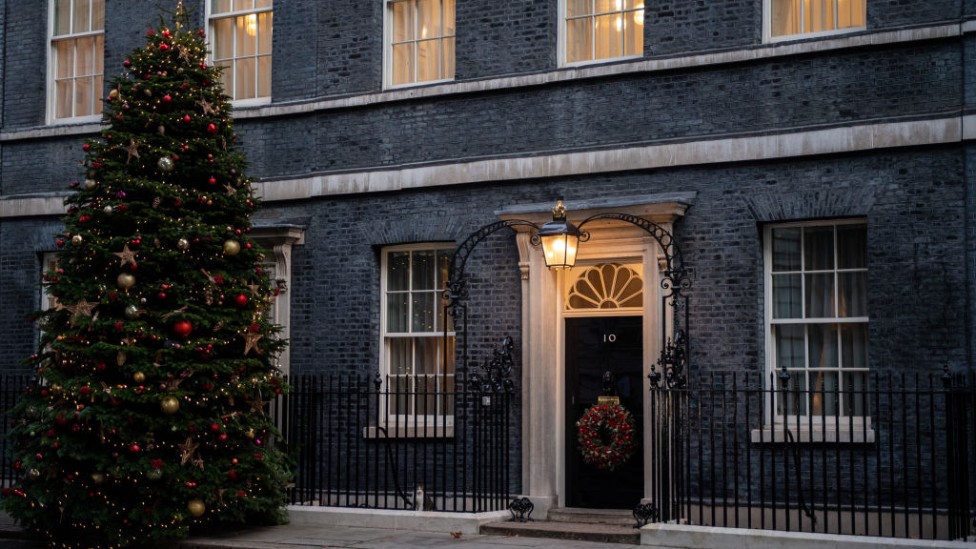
(182, 328)
(97, 478)
(77, 240)
(113, 94)
(125, 281)
(131, 312)
(169, 405)
(154, 474)
(165, 164)
(196, 507)
(183, 244)
(90, 184)
(241, 300)
(34, 474)
(232, 247)
(211, 128)
(108, 209)
(139, 377)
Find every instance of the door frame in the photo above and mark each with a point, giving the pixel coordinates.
(543, 338)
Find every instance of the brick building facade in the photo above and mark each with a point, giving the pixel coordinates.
(714, 127)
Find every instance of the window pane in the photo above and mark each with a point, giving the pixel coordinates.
(83, 96)
(403, 71)
(400, 356)
(264, 33)
(400, 388)
(97, 99)
(98, 15)
(789, 345)
(428, 352)
(82, 16)
(264, 76)
(62, 17)
(448, 18)
(785, 17)
(852, 246)
(634, 33)
(244, 71)
(786, 249)
(819, 295)
(246, 36)
(818, 248)
(398, 271)
(223, 39)
(605, 6)
(578, 7)
(226, 75)
(579, 40)
(428, 60)
(448, 58)
(854, 346)
(853, 294)
(857, 399)
(65, 59)
(220, 6)
(607, 36)
(397, 312)
(63, 95)
(786, 296)
(823, 345)
(824, 395)
(791, 395)
(403, 23)
(258, 4)
(423, 311)
(430, 18)
(424, 270)
(85, 57)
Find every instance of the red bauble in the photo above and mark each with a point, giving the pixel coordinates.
(186, 118)
(164, 47)
(241, 300)
(167, 98)
(182, 328)
(211, 128)
(213, 180)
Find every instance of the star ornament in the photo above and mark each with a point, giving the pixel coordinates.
(126, 255)
(82, 308)
(251, 341)
(187, 449)
(206, 107)
(131, 150)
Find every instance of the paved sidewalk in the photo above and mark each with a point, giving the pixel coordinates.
(292, 536)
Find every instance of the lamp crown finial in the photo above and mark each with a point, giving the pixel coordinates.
(559, 211)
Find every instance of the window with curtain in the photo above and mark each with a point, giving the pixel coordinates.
(800, 17)
(240, 40)
(817, 317)
(77, 58)
(418, 358)
(597, 30)
(420, 44)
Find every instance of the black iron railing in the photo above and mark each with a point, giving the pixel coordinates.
(737, 450)
(357, 446)
(12, 386)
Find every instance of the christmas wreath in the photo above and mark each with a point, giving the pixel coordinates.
(606, 436)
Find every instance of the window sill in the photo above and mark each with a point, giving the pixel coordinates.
(813, 35)
(778, 435)
(403, 432)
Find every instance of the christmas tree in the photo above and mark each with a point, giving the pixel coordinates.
(149, 413)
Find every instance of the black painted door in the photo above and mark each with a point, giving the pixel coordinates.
(594, 345)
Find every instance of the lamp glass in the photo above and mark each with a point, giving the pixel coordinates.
(559, 250)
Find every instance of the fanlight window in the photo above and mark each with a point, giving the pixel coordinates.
(607, 286)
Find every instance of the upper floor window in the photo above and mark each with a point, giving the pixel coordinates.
(789, 18)
(597, 30)
(77, 58)
(417, 356)
(420, 41)
(240, 32)
(817, 316)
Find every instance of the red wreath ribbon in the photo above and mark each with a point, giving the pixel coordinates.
(611, 420)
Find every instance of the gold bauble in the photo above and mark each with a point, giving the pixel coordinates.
(114, 94)
(90, 184)
(183, 244)
(232, 247)
(196, 507)
(34, 473)
(125, 281)
(140, 377)
(77, 240)
(169, 405)
(98, 478)
(249, 433)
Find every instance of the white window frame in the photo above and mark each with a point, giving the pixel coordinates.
(211, 32)
(768, 26)
(813, 427)
(52, 62)
(412, 424)
(562, 44)
(388, 47)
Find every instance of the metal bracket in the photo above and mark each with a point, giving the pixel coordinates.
(644, 513)
(521, 509)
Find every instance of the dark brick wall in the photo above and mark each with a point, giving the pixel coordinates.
(895, 13)
(674, 26)
(22, 243)
(25, 64)
(851, 86)
(500, 38)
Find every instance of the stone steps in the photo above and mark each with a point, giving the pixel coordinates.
(599, 525)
